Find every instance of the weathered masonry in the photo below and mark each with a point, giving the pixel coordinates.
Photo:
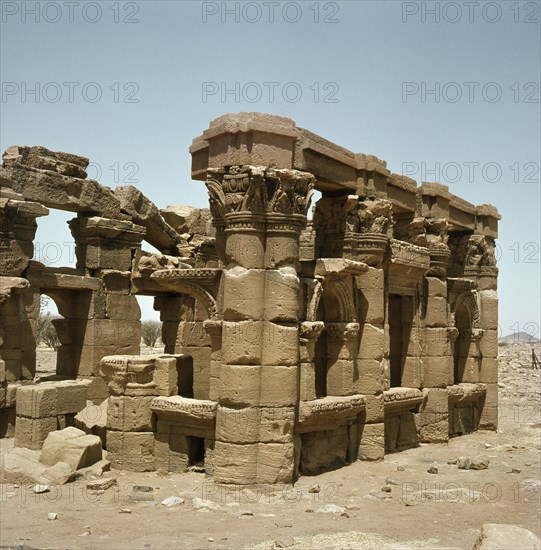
(292, 345)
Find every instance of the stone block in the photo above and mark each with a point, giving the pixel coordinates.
(432, 428)
(500, 536)
(107, 255)
(371, 306)
(371, 376)
(282, 291)
(435, 400)
(280, 344)
(436, 312)
(58, 473)
(411, 373)
(32, 432)
(166, 376)
(116, 282)
(281, 250)
(22, 466)
(372, 279)
(93, 420)
(242, 342)
(435, 342)
(192, 334)
(436, 287)
(255, 424)
(372, 445)
(11, 395)
(37, 401)
(71, 446)
(253, 463)
(90, 305)
(244, 294)
(129, 414)
(487, 283)
(372, 342)
(122, 308)
(171, 452)
(488, 345)
(97, 390)
(471, 370)
(70, 396)
(489, 413)
(253, 385)
(108, 332)
(488, 306)
(374, 409)
(488, 373)
(245, 249)
(307, 382)
(131, 450)
(340, 377)
(437, 371)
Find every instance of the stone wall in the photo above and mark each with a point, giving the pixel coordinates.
(291, 345)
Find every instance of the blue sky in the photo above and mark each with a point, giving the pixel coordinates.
(122, 83)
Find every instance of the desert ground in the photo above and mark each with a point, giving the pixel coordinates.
(395, 503)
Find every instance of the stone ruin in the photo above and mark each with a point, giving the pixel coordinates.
(293, 343)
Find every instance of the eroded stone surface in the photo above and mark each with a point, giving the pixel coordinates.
(291, 345)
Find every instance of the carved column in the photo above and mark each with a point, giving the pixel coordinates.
(130, 437)
(263, 211)
(214, 330)
(342, 357)
(309, 333)
(353, 227)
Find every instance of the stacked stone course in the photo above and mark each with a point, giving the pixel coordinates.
(291, 345)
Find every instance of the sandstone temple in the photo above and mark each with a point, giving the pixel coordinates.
(298, 337)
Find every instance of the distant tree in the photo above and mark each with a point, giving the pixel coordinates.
(49, 335)
(43, 318)
(151, 332)
(45, 331)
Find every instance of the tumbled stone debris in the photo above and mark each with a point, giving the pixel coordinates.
(101, 484)
(71, 446)
(330, 509)
(496, 536)
(172, 501)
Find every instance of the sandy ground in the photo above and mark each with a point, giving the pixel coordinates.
(264, 518)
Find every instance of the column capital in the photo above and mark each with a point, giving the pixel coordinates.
(342, 331)
(259, 190)
(311, 330)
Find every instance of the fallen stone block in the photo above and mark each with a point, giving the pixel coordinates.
(93, 420)
(55, 190)
(71, 446)
(101, 484)
(59, 474)
(44, 159)
(499, 536)
(22, 466)
(144, 212)
(96, 470)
